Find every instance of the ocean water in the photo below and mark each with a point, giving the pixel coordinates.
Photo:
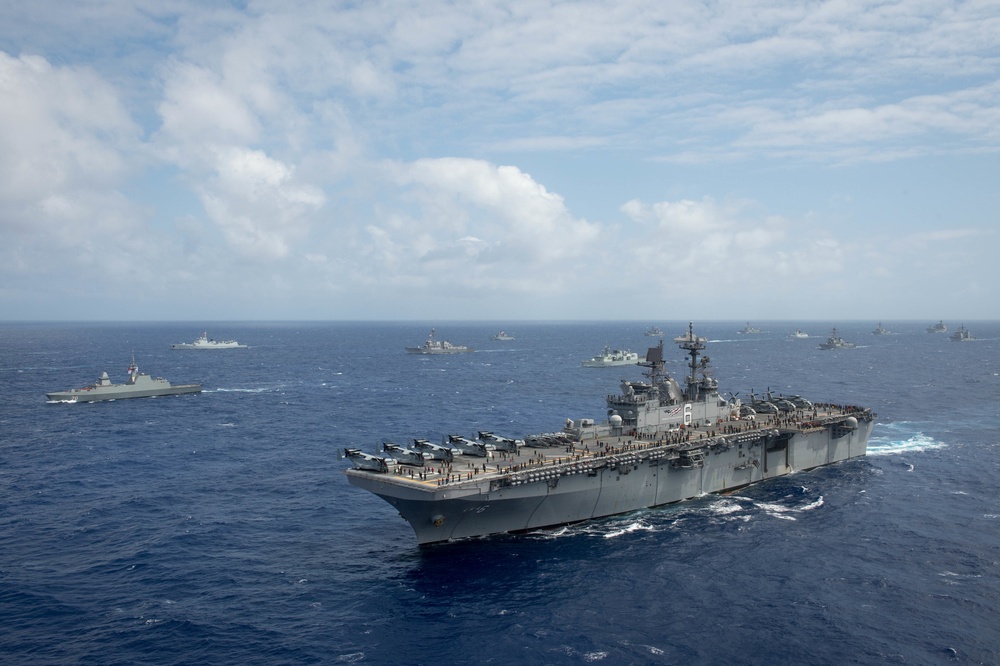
(219, 528)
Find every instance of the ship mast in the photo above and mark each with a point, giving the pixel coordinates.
(694, 346)
(133, 370)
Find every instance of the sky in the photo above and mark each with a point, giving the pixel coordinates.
(436, 160)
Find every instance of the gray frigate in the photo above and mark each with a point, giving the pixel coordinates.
(433, 346)
(662, 443)
(204, 342)
(137, 385)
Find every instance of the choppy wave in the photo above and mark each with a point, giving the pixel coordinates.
(902, 438)
(705, 510)
(737, 507)
(262, 389)
(785, 512)
(637, 526)
(223, 530)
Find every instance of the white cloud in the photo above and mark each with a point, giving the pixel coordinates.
(692, 240)
(504, 206)
(213, 125)
(275, 130)
(199, 108)
(66, 145)
(969, 112)
(480, 225)
(258, 204)
(61, 128)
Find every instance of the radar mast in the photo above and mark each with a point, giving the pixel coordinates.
(694, 345)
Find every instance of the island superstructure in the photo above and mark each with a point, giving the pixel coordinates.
(662, 443)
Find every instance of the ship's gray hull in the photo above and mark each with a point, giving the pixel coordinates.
(614, 485)
(188, 345)
(97, 395)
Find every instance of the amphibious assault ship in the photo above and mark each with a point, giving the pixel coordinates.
(138, 385)
(662, 443)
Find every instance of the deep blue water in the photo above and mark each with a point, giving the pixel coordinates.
(219, 528)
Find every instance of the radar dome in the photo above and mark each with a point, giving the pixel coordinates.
(851, 422)
(616, 421)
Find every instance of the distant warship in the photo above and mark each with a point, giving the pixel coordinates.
(836, 342)
(204, 342)
(961, 335)
(611, 358)
(661, 444)
(138, 385)
(434, 346)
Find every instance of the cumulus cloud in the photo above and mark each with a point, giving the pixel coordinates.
(213, 123)
(225, 138)
(197, 108)
(257, 203)
(61, 128)
(494, 226)
(537, 219)
(687, 239)
(66, 145)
